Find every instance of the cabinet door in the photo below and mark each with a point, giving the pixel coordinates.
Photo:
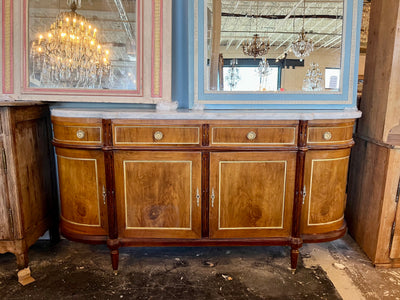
(82, 185)
(158, 194)
(325, 178)
(251, 194)
(5, 222)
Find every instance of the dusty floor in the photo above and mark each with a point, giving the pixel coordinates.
(68, 270)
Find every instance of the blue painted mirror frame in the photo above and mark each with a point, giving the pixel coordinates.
(188, 67)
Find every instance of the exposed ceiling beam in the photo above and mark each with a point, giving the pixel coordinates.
(280, 17)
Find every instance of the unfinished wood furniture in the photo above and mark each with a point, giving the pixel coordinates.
(374, 183)
(198, 182)
(28, 195)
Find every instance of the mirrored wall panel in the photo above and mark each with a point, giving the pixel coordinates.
(273, 45)
(83, 44)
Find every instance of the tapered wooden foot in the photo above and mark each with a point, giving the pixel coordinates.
(294, 256)
(113, 245)
(115, 260)
(22, 260)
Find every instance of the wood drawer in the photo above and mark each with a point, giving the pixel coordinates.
(85, 134)
(262, 136)
(334, 134)
(134, 135)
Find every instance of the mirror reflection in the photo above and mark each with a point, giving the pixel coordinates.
(85, 44)
(274, 45)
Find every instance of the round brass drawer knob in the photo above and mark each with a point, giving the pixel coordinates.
(327, 136)
(80, 134)
(158, 135)
(251, 135)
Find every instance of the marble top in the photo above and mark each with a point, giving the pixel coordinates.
(110, 113)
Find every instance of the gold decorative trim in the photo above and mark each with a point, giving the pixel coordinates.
(79, 141)
(219, 195)
(7, 48)
(158, 142)
(253, 143)
(331, 141)
(310, 195)
(190, 202)
(97, 188)
(157, 48)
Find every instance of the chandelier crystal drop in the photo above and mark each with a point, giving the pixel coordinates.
(69, 54)
(313, 80)
(256, 47)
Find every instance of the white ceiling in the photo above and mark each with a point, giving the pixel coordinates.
(279, 22)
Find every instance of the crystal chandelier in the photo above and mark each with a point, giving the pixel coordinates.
(303, 46)
(263, 68)
(232, 77)
(256, 47)
(313, 80)
(263, 71)
(69, 54)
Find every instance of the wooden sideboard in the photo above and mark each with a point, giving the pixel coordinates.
(196, 182)
(28, 194)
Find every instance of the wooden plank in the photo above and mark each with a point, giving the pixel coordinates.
(379, 104)
(371, 206)
(394, 175)
(216, 41)
(5, 227)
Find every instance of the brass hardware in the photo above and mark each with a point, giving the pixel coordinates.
(212, 197)
(4, 159)
(104, 195)
(198, 197)
(251, 136)
(327, 136)
(304, 193)
(158, 135)
(80, 134)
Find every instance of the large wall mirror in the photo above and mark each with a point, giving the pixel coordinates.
(275, 52)
(83, 44)
(88, 50)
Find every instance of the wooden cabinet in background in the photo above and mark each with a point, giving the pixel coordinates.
(28, 196)
(202, 182)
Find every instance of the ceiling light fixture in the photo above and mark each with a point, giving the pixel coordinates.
(303, 46)
(256, 47)
(69, 54)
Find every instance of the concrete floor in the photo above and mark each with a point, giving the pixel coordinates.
(69, 270)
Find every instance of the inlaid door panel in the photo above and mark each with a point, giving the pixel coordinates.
(158, 194)
(5, 220)
(82, 191)
(251, 194)
(325, 177)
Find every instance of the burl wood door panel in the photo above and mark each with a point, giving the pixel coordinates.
(5, 222)
(82, 191)
(325, 178)
(251, 194)
(158, 194)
